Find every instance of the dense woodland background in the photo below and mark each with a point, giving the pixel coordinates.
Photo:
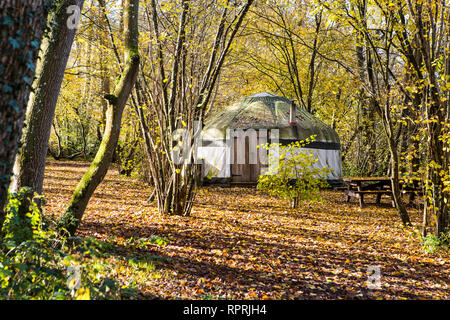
(114, 89)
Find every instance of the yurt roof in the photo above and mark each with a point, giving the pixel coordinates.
(267, 111)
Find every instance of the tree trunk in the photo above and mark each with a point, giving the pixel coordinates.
(22, 23)
(369, 75)
(117, 101)
(396, 193)
(294, 203)
(312, 64)
(55, 50)
(385, 114)
(175, 102)
(437, 197)
(364, 61)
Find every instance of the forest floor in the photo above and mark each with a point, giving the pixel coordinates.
(239, 244)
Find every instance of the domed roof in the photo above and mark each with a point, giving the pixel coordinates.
(267, 111)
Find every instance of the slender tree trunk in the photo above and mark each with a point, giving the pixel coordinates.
(57, 156)
(312, 64)
(395, 176)
(105, 83)
(117, 101)
(22, 23)
(437, 197)
(175, 183)
(55, 50)
(371, 61)
(385, 115)
(105, 89)
(367, 107)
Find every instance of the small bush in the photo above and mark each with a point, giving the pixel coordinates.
(36, 262)
(22, 219)
(432, 243)
(292, 175)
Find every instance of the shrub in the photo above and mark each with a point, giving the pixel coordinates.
(22, 218)
(291, 174)
(36, 262)
(432, 243)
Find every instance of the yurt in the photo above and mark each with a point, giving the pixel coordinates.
(228, 149)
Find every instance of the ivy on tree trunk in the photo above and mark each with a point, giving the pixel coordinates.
(55, 50)
(22, 24)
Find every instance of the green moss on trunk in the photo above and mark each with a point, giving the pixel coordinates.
(116, 104)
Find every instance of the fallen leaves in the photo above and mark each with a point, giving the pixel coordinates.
(242, 245)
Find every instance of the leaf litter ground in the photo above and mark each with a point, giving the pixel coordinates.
(239, 244)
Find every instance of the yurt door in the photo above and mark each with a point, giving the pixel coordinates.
(245, 172)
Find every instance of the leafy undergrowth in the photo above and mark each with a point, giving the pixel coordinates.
(242, 245)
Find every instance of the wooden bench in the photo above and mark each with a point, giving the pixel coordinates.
(358, 187)
(359, 194)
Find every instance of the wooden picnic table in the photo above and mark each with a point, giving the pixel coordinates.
(357, 187)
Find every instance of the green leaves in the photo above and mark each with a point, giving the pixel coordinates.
(36, 263)
(432, 243)
(14, 104)
(14, 43)
(292, 174)
(23, 220)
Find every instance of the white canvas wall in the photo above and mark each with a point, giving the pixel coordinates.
(215, 164)
(327, 158)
